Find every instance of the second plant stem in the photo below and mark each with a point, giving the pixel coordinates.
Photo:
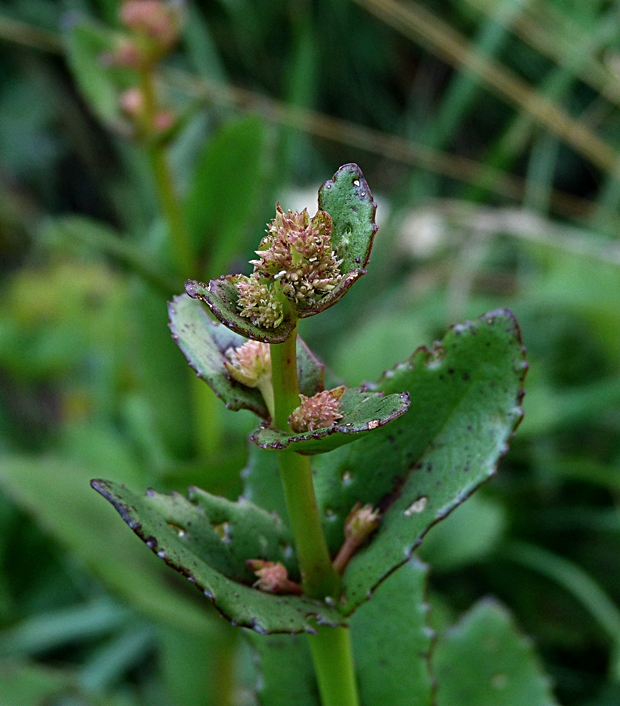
(330, 647)
(170, 206)
(208, 432)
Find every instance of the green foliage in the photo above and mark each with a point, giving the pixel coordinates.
(362, 412)
(48, 486)
(400, 646)
(382, 650)
(224, 191)
(86, 43)
(465, 398)
(348, 200)
(204, 343)
(192, 549)
(492, 202)
(483, 660)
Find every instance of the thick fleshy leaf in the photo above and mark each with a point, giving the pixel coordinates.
(392, 655)
(465, 396)
(184, 536)
(221, 296)
(204, 343)
(362, 412)
(347, 199)
(285, 670)
(484, 660)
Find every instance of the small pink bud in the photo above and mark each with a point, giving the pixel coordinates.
(249, 363)
(272, 577)
(359, 525)
(258, 302)
(316, 412)
(163, 121)
(154, 18)
(132, 102)
(126, 54)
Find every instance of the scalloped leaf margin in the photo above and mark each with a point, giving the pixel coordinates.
(465, 405)
(242, 605)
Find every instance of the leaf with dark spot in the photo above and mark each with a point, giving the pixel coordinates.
(192, 537)
(445, 417)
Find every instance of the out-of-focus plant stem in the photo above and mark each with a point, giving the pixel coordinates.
(169, 202)
(208, 429)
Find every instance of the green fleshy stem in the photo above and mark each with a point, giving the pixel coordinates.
(330, 647)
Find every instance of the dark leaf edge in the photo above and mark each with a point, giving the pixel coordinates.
(314, 611)
(431, 355)
(213, 296)
(285, 440)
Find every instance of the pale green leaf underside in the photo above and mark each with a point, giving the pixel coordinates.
(204, 343)
(484, 660)
(156, 520)
(363, 412)
(221, 296)
(465, 397)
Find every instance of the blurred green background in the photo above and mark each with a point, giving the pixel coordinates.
(489, 132)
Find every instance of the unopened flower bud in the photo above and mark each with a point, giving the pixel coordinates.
(316, 412)
(272, 577)
(361, 523)
(132, 102)
(126, 54)
(163, 121)
(249, 363)
(296, 262)
(155, 19)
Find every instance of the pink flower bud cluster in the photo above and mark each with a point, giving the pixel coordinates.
(258, 303)
(320, 410)
(157, 20)
(250, 363)
(296, 261)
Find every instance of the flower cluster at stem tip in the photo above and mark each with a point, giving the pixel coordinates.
(296, 266)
